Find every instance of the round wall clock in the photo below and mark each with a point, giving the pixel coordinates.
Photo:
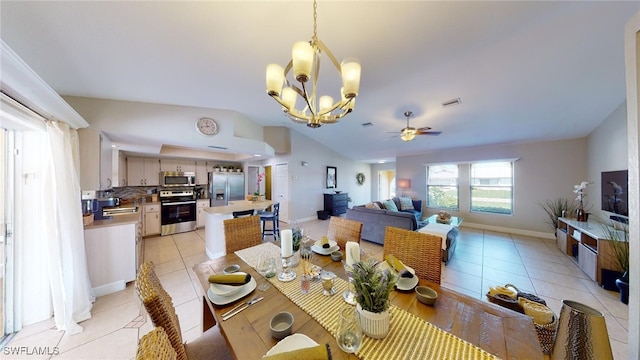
(206, 126)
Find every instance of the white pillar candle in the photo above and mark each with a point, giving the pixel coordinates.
(353, 252)
(286, 243)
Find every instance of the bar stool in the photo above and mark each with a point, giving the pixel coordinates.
(243, 213)
(271, 216)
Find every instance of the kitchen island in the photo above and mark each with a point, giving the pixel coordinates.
(114, 249)
(214, 228)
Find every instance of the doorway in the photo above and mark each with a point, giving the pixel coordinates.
(386, 184)
(281, 190)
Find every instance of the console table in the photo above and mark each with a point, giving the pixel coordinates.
(587, 244)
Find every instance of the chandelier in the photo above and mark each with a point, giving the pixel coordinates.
(305, 63)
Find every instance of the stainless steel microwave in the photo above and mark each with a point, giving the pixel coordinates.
(177, 178)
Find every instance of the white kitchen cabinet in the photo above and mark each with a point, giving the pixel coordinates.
(111, 256)
(95, 160)
(181, 165)
(200, 214)
(119, 161)
(202, 169)
(143, 171)
(151, 219)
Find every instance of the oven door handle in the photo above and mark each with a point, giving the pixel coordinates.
(178, 203)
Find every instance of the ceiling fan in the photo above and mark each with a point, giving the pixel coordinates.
(409, 133)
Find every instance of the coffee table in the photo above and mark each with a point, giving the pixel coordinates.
(455, 221)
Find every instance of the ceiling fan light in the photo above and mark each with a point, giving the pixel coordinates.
(407, 136)
(302, 55)
(275, 79)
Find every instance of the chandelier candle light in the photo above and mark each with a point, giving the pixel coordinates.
(305, 62)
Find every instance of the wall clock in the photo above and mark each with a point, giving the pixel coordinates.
(360, 178)
(206, 126)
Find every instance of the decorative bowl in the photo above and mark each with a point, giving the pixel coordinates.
(337, 192)
(336, 255)
(281, 325)
(426, 295)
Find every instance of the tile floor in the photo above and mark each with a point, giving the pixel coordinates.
(482, 259)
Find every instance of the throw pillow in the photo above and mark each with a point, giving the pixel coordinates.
(390, 205)
(406, 203)
(370, 205)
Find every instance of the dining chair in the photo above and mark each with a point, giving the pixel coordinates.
(342, 230)
(272, 216)
(420, 251)
(159, 306)
(155, 345)
(243, 213)
(241, 233)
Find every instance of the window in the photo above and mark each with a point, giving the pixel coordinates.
(442, 187)
(492, 187)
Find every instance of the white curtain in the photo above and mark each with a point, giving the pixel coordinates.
(64, 239)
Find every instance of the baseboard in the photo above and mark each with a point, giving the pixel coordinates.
(109, 288)
(537, 234)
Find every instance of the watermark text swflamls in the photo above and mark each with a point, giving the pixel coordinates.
(31, 350)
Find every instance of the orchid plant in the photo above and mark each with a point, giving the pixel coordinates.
(259, 180)
(580, 190)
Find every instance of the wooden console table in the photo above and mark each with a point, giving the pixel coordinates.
(587, 244)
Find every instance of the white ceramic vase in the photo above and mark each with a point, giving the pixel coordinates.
(374, 325)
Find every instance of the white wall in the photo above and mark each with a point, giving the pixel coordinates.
(544, 170)
(307, 183)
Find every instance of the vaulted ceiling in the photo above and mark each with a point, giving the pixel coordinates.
(524, 70)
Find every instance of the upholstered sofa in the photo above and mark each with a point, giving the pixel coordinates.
(375, 221)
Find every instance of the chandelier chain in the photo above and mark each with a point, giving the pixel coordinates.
(315, 20)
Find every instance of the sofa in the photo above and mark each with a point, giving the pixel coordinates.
(375, 221)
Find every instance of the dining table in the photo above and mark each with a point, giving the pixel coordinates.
(456, 326)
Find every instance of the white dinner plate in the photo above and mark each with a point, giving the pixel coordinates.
(226, 290)
(292, 342)
(224, 300)
(322, 251)
(403, 284)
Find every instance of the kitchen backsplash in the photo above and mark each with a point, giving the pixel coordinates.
(134, 192)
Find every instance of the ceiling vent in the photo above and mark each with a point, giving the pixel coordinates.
(367, 124)
(217, 147)
(453, 102)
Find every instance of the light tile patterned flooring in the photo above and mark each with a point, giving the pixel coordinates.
(482, 259)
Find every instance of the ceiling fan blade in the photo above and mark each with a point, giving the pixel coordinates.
(390, 137)
(435, 133)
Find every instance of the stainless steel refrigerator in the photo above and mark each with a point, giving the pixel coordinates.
(224, 187)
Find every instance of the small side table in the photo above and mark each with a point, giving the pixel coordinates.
(455, 221)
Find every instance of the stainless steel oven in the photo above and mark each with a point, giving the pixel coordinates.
(177, 211)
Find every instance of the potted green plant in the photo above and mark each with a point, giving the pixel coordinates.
(555, 208)
(373, 287)
(618, 233)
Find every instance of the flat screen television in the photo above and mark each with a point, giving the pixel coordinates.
(615, 194)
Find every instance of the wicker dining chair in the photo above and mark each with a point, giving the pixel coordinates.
(242, 233)
(155, 345)
(342, 230)
(159, 306)
(422, 252)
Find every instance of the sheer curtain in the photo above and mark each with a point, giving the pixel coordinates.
(67, 265)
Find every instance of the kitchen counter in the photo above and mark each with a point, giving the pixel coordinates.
(214, 227)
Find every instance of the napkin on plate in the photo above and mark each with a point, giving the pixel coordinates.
(325, 242)
(318, 352)
(508, 291)
(540, 314)
(398, 266)
(230, 279)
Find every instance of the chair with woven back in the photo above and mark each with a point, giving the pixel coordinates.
(342, 230)
(159, 306)
(155, 345)
(242, 232)
(420, 251)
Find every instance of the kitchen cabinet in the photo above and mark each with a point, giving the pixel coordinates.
(143, 171)
(181, 165)
(151, 219)
(119, 170)
(95, 160)
(200, 214)
(202, 170)
(111, 256)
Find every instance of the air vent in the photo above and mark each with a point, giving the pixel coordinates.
(367, 124)
(453, 102)
(217, 147)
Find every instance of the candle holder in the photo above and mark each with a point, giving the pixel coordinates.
(287, 274)
(349, 296)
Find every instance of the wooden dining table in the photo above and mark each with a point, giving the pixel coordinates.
(498, 331)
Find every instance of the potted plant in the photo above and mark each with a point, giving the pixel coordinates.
(619, 235)
(372, 287)
(558, 208)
